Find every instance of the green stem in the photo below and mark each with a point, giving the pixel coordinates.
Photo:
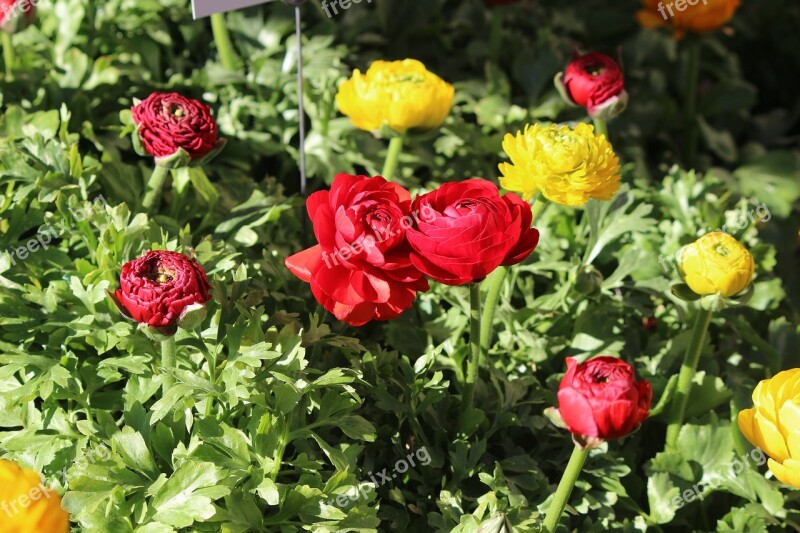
(565, 487)
(494, 284)
(686, 376)
(691, 102)
(8, 55)
(393, 156)
(601, 127)
(496, 34)
(154, 186)
(475, 345)
(223, 40)
(168, 350)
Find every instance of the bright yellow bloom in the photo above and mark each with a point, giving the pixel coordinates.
(398, 94)
(774, 424)
(702, 16)
(26, 505)
(567, 165)
(716, 263)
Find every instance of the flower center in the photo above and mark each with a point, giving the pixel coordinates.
(594, 69)
(411, 78)
(159, 274)
(723, 250)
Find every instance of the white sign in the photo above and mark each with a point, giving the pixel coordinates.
(205, 8)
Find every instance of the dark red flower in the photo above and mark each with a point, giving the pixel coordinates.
(168, 122)
(157, 288)
(602, 399)
(595, 81)
(360, 270)
(469, 231)
(16, 15)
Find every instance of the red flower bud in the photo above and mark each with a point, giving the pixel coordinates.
(168, 123)
(160, 288)
(16, 15)
(594, 81)
(602, 399)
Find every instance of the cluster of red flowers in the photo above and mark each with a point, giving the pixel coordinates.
(377, 247)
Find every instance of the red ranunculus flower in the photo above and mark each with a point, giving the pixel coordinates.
(470, 231)
(602, 399)
(159, 288)
(16, 15)
(595, 81)
(169, 122)
(360, 270)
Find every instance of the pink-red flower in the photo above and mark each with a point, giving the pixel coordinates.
(16, 15)
(160, 288)
(601, 398)
(470, 231)
(361, 269)
(594, 81)
(168, 124)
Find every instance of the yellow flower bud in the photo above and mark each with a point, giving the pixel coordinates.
(773, 424)
(567, 165)
(716, 263)
(26, 505)
(701, 17)
(398, 94)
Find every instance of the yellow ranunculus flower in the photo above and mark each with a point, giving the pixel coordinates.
(398, 94)
(773, 424)
(26, 505)
(567, 165)
(698, 16)
(716, 263)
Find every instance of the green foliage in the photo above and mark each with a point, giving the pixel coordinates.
(279, 417)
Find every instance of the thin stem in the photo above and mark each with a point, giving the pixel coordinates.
(154, 186)
(691, 102)
(496, 35)
(223, 40)
(8, 55)
(494, 284)
(300, 111)
(393, 156)
(601, 127)
(475, 345)
(686, 376)
(565, 487)
(168, 350)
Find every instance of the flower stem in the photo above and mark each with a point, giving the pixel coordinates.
(168, 349)
(496, 34)
(154, 186)
(494, 284)
(475, 345)
(686, 376)
(601, 127)
(8, 55)
(223, 40)
(691, 102)
(565, 487)
(392, 156)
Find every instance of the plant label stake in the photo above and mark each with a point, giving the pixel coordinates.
(205, 8)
